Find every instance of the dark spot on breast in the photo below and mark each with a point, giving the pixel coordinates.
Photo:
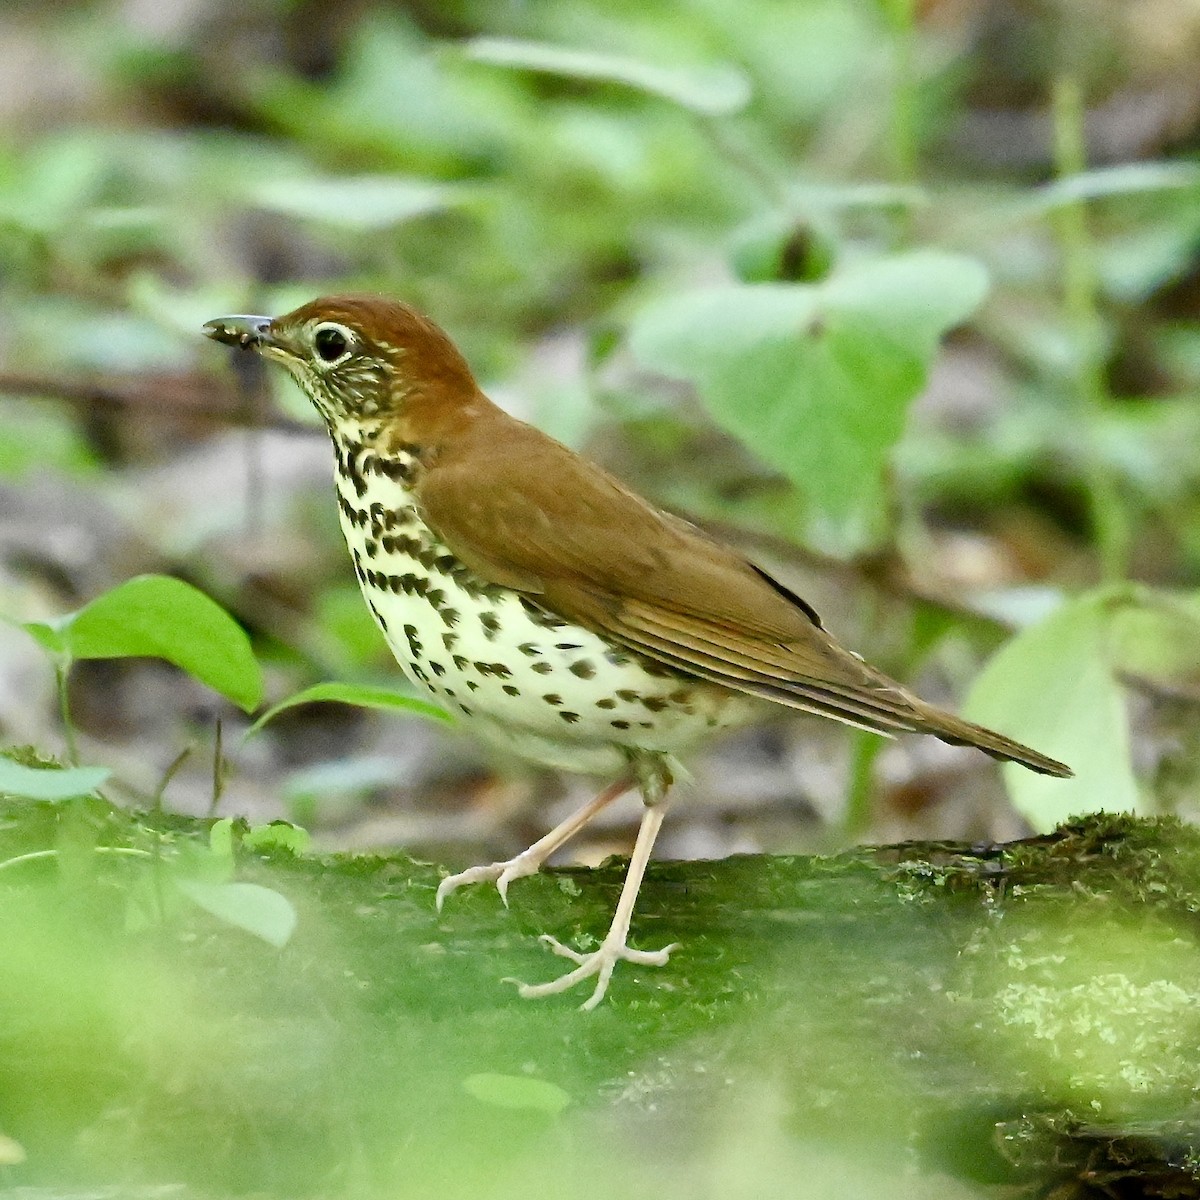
(552, 698)
(541, 668)
(495, 668)
(619, 724)
(567, 646)
(490, 623)
(584, 668)
(450, 616)
(607, 702)
(654, 703)
(437, 668)
(466, 712)
(355, 516)
(569, 717)
(472, 685)
(681, 696)
(617, 658)
(398, 469)
(461, 663)
(414, 642)
(449, 640)
(529, 649)
(509, 690)
(646, 724)
(539, 616)
(627, 694)
(436, 597)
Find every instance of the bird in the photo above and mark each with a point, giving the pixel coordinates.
(560, 615)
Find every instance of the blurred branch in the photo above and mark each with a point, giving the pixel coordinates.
(166, 397)
(1161, 690)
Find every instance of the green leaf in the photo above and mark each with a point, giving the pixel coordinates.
(517, 1092)
(159, 617)
(49, 783)
(362, 202)
(265, 913)
(46, 636)
(714, 91)
(278, 835)
(358, 694)
(220, 839)
(1125, 179)
(817, 378)
(1054, 687)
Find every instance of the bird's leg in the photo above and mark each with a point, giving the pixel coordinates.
(529, 862)
(614, 948)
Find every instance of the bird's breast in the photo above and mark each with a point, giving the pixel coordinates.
(521, 677)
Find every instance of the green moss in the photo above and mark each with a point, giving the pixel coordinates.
(855, 1003)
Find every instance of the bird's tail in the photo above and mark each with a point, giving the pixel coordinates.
(958, 732)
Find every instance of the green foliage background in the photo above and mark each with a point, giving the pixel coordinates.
(900, 294)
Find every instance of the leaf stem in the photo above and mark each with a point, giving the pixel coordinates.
(1081, 304)
(62, 670)
(860, 794)
(903, 117)
(35, 855)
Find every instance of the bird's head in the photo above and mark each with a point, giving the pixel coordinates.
(360, 359)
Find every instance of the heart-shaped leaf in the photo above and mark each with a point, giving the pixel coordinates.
(157, 616)
(49, 783)
(817, 378)
(1054, 686)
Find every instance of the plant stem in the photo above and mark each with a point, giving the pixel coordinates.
(860, 794)
(903, 123)
(62, 669)
(1081, 303)
(35, 855)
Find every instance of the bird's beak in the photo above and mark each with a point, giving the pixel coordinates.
(250, 332)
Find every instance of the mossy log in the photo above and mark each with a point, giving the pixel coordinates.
(924, 1020)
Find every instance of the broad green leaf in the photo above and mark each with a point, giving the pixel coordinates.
(1054, 687)
(517, 1092)
(713, 90)
(817, 378)
(360, 202)
(357, 694)
(265, 913)
(49, 783)
(159, 617)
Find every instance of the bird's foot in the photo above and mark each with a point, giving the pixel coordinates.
(499, 873)
(600, 963)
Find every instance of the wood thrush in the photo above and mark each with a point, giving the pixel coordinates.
(561, 616)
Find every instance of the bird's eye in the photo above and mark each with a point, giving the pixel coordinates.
(331, 343)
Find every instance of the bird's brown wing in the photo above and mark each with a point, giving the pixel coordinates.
(527, 513)
(533, 516)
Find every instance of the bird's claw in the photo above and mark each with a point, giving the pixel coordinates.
(600, 963)
(499, 873)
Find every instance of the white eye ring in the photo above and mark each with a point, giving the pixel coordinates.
(332, 343)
